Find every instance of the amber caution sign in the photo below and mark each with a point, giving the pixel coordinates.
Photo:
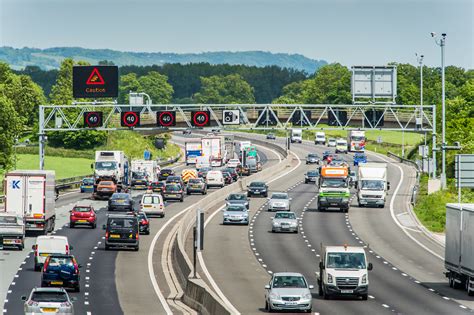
(95, 81)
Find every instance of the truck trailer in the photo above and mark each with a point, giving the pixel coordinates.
(213, 148)
(459, 252)
(192, 150)
(32, 195)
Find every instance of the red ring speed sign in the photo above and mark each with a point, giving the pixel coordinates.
(93, 119)
(166, 119)
(200, 118)
(130, 119)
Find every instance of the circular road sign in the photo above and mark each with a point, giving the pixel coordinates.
(166, 119)
(93, 119)
(201, 118)
(130, 119)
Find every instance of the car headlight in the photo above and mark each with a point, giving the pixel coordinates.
(246, 204)
(364, 279)
(294, 224)
(330, 279)
(276, 224)
(274, 296)
(226, 215)
(307, 296)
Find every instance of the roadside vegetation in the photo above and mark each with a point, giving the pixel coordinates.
(431, 209)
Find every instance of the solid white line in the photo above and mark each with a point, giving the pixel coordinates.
(392, 210)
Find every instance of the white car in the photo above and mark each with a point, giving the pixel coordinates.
(280, 201)
(288, 291)
(341, 146)
(233, 163)
(331, 142)
(48, 300)
(215, 178)
(49, 244)
(152, 204)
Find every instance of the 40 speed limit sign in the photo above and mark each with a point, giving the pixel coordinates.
(93, 119)
(166, 118)
(200, 118)
(130, 119)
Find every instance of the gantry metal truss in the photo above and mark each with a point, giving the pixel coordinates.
(251, 116)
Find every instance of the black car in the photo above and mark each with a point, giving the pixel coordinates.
(196, 185)
(175, 180)
(122, 230)
(233, 172)
(271, 136)
(227, 178)
(312, 158)
(311, 177)
(257, 189)
(156, 186)
(143, 223)
(120, 202)
(173, 192)
(139, 180)
(187, 131)
(164, 173)
(203, 172)
(61, 270)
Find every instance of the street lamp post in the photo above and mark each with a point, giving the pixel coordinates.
(442, 43)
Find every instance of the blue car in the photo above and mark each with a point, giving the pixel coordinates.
(87, 185)
(359, 158)
(61, 271)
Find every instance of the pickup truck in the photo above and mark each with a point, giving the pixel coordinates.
(12, 230)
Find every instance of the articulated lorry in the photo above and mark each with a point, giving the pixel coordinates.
(32, 195)
(214, 149)
(459, 250)
(192, 150)
(343, 271)
(356, 140)
(334, 188)
(111, 166)
(372, 185)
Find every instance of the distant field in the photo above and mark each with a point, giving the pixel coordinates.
(64, 167)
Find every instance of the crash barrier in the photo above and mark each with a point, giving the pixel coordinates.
(416, 187)
(74, 182)
(196, 294)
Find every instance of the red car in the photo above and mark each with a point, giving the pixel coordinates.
(83, 215)
(227, 178)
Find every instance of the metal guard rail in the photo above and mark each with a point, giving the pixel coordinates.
(416, 187)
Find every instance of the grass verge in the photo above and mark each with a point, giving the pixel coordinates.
(64, 167)
(431, 209)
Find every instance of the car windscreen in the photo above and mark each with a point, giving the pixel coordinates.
(122, 222)
(236, 208)
(346, 260)
(371, 185)
(279, 196)
(105, 166)
(312, 173)
(314, 156)
(289, 282)
(284, 215)
(334, 183)
(151, 199)
(81, 209)
(237, 197)
(10, 220)
(49, 296)
(257, 184)
(138, 175)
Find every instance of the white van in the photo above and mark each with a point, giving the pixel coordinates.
(215, 178)
(320, 138)
(49, 244)
(341, 145)
(202, 161)
(152, 204)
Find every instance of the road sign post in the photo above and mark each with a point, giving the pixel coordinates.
(464, 172)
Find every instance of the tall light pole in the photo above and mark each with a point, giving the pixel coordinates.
(419, 58)
(442, 43)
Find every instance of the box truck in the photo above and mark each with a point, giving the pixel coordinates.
(372, 185)
(192, 150)
(459, 252)
(356, 140)
(32, 195)
(296, 135)
(144, 172)
(334, 188)
(213, 148)
(111, 166)
(320, 138)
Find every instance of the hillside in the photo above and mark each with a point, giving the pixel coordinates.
(50, 58)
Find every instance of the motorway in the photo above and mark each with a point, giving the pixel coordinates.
(396, 285)
(115, 282)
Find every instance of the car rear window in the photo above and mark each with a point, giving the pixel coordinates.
(237, 197)
(105, 183)
(284, 215)
(122, 222)
(120, 196)
(57, 261)
(173, 187)
(195, 181)
(49, 296)
(82, 209)
(166, 171)
(151, 199)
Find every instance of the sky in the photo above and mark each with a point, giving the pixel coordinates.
(351, 32)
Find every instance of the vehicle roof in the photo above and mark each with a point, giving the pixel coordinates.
(125, 216)
(83, 206)
(60, 255)
(42, 289)
(151, 195)
(285, 212)
(51, 237)
(287, 274)
(354, 249)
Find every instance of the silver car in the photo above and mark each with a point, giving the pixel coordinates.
(48, 300)
(288, 291)
(285, 221)
(235, 214)
(237, 199)
(332, 142)
(279, 201)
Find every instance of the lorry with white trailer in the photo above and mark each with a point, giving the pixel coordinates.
(356, 140)
(144, 172)
(111, 165)
(459, 250)
(31, 194)
(296, 135)
(343, 271)
(213, 148)
(228, 146)
(372, 184)
(241, 146)
(192, 150)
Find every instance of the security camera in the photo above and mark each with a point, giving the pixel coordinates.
(444, 34)
(422, 56)
(433, 34)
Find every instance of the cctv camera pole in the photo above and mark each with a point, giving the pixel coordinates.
(41, 138)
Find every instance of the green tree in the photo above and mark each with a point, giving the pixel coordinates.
(10, 127)
(230, 89)
(128, 83)
(157, 87)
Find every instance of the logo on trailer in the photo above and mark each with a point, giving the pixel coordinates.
(95, 78)
(15, 184)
